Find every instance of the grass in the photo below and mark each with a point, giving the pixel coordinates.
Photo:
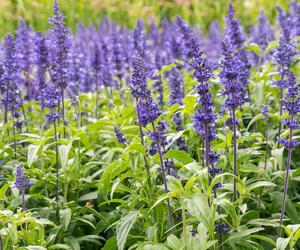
(203, 12)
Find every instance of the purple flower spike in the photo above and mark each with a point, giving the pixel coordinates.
(233, 30)
(120, 136)
(21, 183)
(59, 37)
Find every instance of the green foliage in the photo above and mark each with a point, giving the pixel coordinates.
(36, 12)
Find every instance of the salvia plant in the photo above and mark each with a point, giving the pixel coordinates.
(152, 137)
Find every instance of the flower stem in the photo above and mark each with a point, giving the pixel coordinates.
(63, 111)
(6, 103)
(23, 199)
(267, 144)
(286, 183)
(97, 96)
(56, 164)
(280, 103)
(78, 129)
(184, 226)
(15, 143)
(202, 153)
(234, 154)
(280, 112)
(143, 143)
(163, 175)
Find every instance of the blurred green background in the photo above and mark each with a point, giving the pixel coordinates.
(202, 12)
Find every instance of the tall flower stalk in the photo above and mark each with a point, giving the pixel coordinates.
(42, 61)
(234, 91)
(176, 97)
(96, 65)
(235, 38)
(25, 57)
(138, 89)
(282, 56)
(148, 112)
(60, 42)
(9, 76)
(291, 104)
(51, 96)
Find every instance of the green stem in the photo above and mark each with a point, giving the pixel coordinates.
(286, 183)
(184, 226)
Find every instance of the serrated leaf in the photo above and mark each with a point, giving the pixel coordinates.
(123, 227)
(282, 243)
(173, 242)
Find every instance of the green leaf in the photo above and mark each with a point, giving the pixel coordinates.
(199, 208)
(174, 183)
(166, 68)
(114, 169)
(123, 227)
(189, 104)
(173, 242)
(59, 246)
(137, 146)
(32, 154)
(297, 235)
(254, 119)
(179, 155)
(292, 212)
(72, 242)
(65, 217)
(272, 45)
(89, 196)
(90, 238)
(153, 247)
(111, 244)
(263, 222)
(230, 209)
(244, 233)
(278, 155)
(63, 152)
(35, 248)
(164, 197)
(261, 184)
(263, 238)
(253, 47)
(3, 191)
(282, 243)
(87, 222)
